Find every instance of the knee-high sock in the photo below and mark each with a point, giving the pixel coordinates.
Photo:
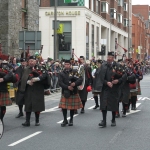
(134, 98)
(3, 111)
(71, 114)
(104, 112)
(20, 108)
(96, 100)
(37, 115)
(28, 115)
(113, 115)
(125, 107)
(64, 113)
(83, 103)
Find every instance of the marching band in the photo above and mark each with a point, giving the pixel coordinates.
(111, 81)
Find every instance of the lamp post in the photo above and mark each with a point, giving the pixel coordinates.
(55, 30)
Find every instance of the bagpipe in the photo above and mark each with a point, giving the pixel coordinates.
(117, 70)
(80, 70)
(6, 71)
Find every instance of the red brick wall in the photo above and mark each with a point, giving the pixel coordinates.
(141, 9)
(45, 3)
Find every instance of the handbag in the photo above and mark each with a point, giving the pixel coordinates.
(66, 93)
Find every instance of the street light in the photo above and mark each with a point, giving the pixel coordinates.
(55, 30)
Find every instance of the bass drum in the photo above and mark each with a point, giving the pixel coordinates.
(1, 128)
(81, 71)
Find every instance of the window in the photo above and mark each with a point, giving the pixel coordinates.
(104, 7)
(39, 2)
(97, 39)
(120, 2)
(92, 36)
(125, 22)
(119, 18)
(113, 13)
(87, 4)
(125, 7)
(98, 6)
(87, 40)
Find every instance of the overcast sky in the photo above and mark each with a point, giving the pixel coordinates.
(141, 2)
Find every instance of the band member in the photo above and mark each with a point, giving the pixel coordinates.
(88, 81)
(34, 91)
(110, 87)
(20, 95)
(69, 80)
(6, 76)
(96, 74)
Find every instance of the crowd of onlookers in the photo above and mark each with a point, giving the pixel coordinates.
(55, 67)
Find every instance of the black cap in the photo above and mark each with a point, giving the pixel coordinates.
(82, 57)
(120, 60)
(32, 57)
(67, 61)
(23, 60)
(100, 61)
(111, 54)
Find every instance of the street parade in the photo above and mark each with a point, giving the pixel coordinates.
(111, 82)
(74, 74)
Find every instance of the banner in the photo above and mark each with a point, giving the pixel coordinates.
(71, 1)
(80, 2)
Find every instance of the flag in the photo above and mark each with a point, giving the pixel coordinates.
(71, 1)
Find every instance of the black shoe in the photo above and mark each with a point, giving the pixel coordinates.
(128, 111)
(19, 115)
(26, 124)
(70, 122)
(82, 111)
(37, 124)
(123, 115)
(102, 124)
(113, 123)
(117, 115)
(96, 107)
(64, 123)
(132, 108)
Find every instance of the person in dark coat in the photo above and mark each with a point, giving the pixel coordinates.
(96, 84)
(6, 76)
(69, 79)
(20, 95)
(34, 92)
(88, 81)
(110, 90)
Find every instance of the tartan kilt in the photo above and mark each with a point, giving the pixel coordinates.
(71, 103)
(5, 99)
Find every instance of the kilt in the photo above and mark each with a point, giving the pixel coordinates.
(71, 103)
(137, 92)
(5, 99)
(139, 89)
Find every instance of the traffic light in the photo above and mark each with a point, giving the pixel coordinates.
(103, 50)
(61, 42)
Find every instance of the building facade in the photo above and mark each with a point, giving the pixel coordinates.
(15, 16)
(141, 32)
(87, 26)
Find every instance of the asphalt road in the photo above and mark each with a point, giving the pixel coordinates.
(131, 133)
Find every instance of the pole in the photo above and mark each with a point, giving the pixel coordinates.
(129, 31)
(55, 29)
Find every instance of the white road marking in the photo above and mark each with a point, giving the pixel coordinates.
(91, 107)
(139, 98)
(134, 111)
(67, 119)
(51, 109)
(26, 138)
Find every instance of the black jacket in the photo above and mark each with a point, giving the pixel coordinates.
(65, 79)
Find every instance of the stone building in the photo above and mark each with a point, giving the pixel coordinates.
(15, 16)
